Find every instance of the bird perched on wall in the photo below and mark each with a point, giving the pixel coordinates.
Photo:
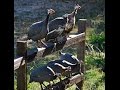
(42, 74)
(57, 22)
(67, 21)
(48, 73)
(59, 69)
(72, 59)
(61, 26)
(38, 30)
(71, 19)
(69, 57)
(74, 67)
(55, 36)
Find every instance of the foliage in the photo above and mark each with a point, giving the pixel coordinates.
(98, 40)
(94, 80)
(94, 61)
(100, 27)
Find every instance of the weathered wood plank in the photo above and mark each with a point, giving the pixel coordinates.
(67, 82)
(76, 79)
(81, 48)
(41, 52)
(21, 71)
(17, 62)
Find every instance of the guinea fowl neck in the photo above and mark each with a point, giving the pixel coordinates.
(74, 13)
(47, 18)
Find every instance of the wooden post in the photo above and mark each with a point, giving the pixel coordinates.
(21, 71)
(81, 48)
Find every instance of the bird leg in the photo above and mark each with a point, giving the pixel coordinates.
(59, 76)
(53, 82)
(69, 75)
(54, 48)
(44, 85)
(43, 43)
(50, 85)
(41, 86)
(77, 88)
(60, 79)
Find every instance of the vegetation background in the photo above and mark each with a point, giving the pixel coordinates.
(27, 12)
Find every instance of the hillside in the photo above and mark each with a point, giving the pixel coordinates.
(28, 11)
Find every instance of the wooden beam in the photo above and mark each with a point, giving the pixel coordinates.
(70, 41)
(76, 79)
(17, 62)
(41, 52)
(21, 71)
(67, 82)
(81, 48)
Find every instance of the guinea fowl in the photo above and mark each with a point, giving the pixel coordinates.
(69, 57)
(59, 69)
(42, 74)
(57, 22)
(55, 35)
(71, 19)
(74, 67)
(47, 73)
(67, 20)
(39, 30)
(72, 59)
(61, 26)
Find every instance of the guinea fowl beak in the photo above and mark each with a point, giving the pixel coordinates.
(79, 7)
(53, 12)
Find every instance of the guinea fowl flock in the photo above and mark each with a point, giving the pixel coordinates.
(66, 65)
(54, 29)
(52, 32)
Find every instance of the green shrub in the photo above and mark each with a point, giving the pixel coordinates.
(100, 27)
(98, 40)
(94, 80)
(94, 61)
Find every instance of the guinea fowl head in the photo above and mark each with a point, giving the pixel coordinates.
(77, 7)
(51, 11)
(68, 68)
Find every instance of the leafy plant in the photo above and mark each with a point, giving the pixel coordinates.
(100, 27)
(98, 40)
